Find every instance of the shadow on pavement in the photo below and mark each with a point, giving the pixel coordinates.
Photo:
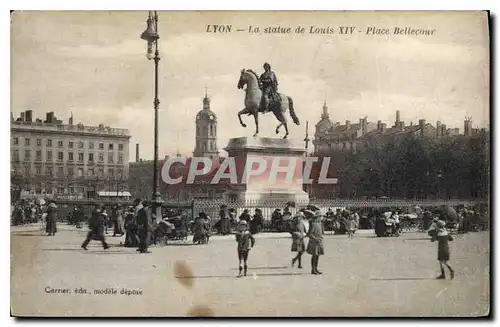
(28, 234)
(177, 244)
(69, 249)
(257, 268)
(405, 278)
(234, 276)
(110, 252)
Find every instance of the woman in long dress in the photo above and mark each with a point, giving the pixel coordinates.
(51, 219)
(118, 221)
(131, 239)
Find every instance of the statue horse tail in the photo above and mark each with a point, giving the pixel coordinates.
(292, 111)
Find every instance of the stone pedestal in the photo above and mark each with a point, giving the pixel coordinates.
(279, 163)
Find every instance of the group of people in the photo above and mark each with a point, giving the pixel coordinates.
(26, 212)
(246, 241)
(135, 222)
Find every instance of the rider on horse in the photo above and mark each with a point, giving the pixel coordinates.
(269, 85)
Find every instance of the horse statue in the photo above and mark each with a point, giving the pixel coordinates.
(253, 98)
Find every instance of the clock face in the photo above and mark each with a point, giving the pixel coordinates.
(211, 117)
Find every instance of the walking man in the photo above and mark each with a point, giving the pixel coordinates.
(144, 226)
(96, 224)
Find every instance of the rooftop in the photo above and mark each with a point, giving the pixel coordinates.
(26, 123)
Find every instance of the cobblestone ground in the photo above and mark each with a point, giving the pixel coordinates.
(363, 276)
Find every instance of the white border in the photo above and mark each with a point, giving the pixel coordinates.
(181, 5)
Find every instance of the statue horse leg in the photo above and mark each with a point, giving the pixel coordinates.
(281, 118)
(243, 112)
(256, 118)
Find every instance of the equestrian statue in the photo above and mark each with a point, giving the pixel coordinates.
(262, 96)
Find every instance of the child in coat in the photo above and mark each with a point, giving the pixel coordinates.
(245, 242)
(443, 237)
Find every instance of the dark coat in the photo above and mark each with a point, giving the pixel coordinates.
(225, 224)
(144, 220)
(96, 222)
(200, 229)
(51, 219)
(443, 246)
(245, 216)
(256, 223)
(315, 233)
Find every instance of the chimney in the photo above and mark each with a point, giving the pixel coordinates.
(397, 117)
(468, 127)
(71, 120)
(444, 131)
(383, 127)
(379, 125)
(137, 152)
(22, 116)
(347, 124)
(29, 116)
(421, 124)
(50, 117)
(438, 129)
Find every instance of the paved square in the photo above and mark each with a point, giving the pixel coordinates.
(363, 276)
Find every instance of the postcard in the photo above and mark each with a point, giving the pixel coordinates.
(250, 164)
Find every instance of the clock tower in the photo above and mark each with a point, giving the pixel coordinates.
(206, 131)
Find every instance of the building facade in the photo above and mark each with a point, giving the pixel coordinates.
(349, 137)
(53, 159)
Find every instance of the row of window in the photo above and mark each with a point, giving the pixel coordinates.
(60, 156)
(71, 144)
(49, 171)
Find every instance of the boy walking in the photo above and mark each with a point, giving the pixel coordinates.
(245, 242)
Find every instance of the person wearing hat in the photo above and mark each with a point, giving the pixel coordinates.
(298, 234)
(51, 219)
(117, 217)
(245, 242)
(257, 222)
(131, 238)
(276, 218)
(269, 83)
(144, 227)
(225, 224)
(96, 225)
(245, 216)
(443, 237)
(315, 245)
(200, 228)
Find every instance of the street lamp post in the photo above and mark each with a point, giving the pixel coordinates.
(151, 36)
(306, 141)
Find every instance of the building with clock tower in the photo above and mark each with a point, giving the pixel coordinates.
(206, 132)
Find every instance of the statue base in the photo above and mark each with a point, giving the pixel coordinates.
(268, 169)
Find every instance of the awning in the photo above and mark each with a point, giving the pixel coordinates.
(113, 194)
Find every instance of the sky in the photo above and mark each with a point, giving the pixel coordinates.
(93, 64)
